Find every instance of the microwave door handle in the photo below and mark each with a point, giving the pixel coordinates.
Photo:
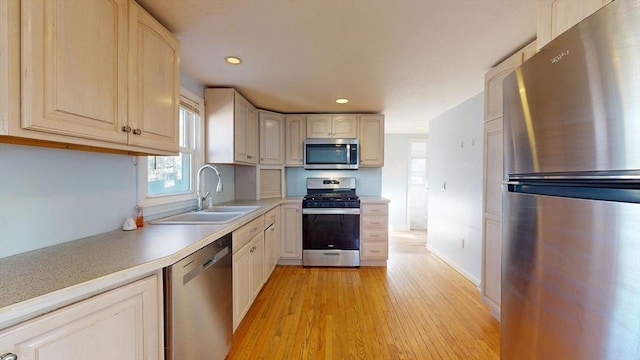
(348, 154)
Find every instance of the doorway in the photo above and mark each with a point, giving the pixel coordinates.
(418, 189)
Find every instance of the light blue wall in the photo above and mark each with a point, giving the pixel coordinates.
(395, 177)
(455, 186)
(368, 180)
(50, 196)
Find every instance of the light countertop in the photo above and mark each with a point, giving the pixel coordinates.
(42, 280)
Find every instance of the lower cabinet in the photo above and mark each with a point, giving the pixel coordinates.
(291, 240)
(374, 233)
(124, 323)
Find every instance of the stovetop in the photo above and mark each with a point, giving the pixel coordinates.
(331, 193)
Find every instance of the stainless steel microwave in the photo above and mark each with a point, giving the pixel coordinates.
(329, 154)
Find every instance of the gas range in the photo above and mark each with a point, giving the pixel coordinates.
(331, 193)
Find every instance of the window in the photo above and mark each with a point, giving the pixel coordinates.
(171, 179)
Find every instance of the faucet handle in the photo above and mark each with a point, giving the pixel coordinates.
(206, 195)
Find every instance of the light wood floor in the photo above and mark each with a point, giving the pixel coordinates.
(416, 308)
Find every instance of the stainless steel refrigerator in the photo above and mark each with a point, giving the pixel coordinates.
(571, 223)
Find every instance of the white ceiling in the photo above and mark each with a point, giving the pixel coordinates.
(411, 60)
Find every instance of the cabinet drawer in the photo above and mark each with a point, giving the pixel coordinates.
(374, 209)
(375, 235)
(374, 251)
(244, 234)
(379, 222)
(270, 217)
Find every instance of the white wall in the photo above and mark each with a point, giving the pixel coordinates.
(455, 182)
(368, 180)
(395, 175)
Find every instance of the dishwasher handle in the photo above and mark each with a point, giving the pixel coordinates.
(205, 265)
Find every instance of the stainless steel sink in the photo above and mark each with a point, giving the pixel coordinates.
(201, 217)
(231, 208)
(220, 214)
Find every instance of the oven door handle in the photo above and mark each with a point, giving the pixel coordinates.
(326, 211)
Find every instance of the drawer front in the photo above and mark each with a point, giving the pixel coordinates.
(374, 209)
(378, 222)
(244, 234)
(270, 218)
(367, 235)
(374, 251)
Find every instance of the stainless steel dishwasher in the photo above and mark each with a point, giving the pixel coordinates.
(199, 304)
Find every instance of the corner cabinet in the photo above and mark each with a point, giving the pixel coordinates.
(557, 16)
(493, 178)
(294, 134)
(332, 126)
(371, 136)
(231, 126)
(100, 74)
(271, 138)
(124, 323)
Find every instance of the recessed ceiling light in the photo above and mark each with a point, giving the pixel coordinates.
(233, 60)
(342, 101)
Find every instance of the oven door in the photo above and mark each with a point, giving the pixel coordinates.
(330, 229)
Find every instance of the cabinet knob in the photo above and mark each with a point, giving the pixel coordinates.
(126, 129)
(8, 356)
(137, 131)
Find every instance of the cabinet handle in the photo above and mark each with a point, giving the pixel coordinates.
(126, 129)
(8, 356)
(137, 131)
(375, 251)
(249, 157)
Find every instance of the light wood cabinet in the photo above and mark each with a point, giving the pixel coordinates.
(271, 240)
(557, 16)
(124, 323)
(248, 266)
(332, 126)
(295, 133)
(154, 74)
(371, 139)
(231, 126)
(493, 177)
(271, 138)
(291, 240)
(84, 80)
(374, 231)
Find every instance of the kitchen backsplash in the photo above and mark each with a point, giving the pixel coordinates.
(368, 180)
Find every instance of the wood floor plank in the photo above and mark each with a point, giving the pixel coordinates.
(416, 308)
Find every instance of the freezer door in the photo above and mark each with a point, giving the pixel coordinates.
(570, 278)
(575, 105)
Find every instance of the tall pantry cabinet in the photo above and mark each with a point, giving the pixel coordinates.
(493, 177)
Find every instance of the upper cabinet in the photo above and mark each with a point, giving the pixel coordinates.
(154, 82)
(557, 16)
(294, 135)
(371, 136)
(332, 126)
(271, 138)
(231, 125)
(99, 74)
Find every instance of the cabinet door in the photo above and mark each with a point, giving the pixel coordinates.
(271, 138)
(344, 126)
(74, 68)
(318, 126)
(240, 128)
(154, 73)
(493, 85)
(9, 63)
(291, 245)
(252, 137)
(257, 264)
(371, 140)
(295, 133)
(123, 323)
(557, 16)
(242, 284)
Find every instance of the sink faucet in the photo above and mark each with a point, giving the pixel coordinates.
(201, 198)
